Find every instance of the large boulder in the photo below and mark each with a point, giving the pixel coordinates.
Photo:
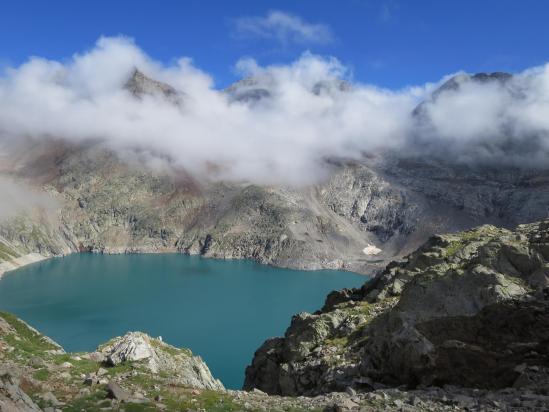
(159, 357)
(134, 346)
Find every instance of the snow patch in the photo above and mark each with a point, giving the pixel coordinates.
(371, 250)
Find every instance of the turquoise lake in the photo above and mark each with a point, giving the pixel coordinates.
(221, 310)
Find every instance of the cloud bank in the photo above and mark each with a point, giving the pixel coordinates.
(303, 114)
(496, 121)
(284, 28)
(18, 198)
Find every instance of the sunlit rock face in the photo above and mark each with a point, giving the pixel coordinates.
(468, 309)
(159, 357)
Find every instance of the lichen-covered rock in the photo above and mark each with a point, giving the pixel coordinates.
(134, 346)
(34, 370)
(141, 86)
(466, 302)
(35, 376)
(159, 357)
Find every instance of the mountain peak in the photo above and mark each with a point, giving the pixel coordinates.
(455, 83)
(254, 89)
(139, 85)
(494, 76)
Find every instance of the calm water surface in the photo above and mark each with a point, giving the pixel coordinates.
(221, 310)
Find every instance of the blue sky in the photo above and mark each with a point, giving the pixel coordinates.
(389, 43)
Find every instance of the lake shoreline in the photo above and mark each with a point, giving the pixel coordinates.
(84, 299)
(31, 258)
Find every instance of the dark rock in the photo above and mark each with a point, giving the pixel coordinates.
(140, 85)
(114, 391)
(12, 397)
(462, 314)
(51, 399)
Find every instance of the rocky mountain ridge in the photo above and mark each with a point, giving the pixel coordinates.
(111, 202)
(140, 85)
(469, 309)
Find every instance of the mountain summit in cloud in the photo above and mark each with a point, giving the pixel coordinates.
(279, 124)
(140, 85)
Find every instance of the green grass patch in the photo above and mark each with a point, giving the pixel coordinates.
(38, 236)
(211, 401)
(89, 403)
(483, 234)
(139, 407)
(59, 359)
(4, 255)
(41, 374)
(145, 380)
(338, 342)
(121, 368)
(25, 340)
(6, 252)
(82, 366)
(171, 350)
(454, 247)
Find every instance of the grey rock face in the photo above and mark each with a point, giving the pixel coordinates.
(258, 90)
(331, 87)
(159, 357)
(455, 83)
(116, 392)
(389, 203)
(140, 85)
(132, 347)
(464, 309)
(370, 202)
(502, 196)
(250, 90)
(12, 397)
(108, 205)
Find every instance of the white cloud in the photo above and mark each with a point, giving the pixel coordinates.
(18, 198)
(495, 122)
(281, 141)
(284, 138)
(283, 27)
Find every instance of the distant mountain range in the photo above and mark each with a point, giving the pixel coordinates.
(388, 202)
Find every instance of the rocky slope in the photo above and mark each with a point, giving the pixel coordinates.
(469, 309)
(140, 85)
(366, 213)
(110, 204)
(136, 372)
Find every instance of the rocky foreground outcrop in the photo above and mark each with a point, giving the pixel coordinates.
(36, 373)
(136, 372)
(460, 324)
(465, 310)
